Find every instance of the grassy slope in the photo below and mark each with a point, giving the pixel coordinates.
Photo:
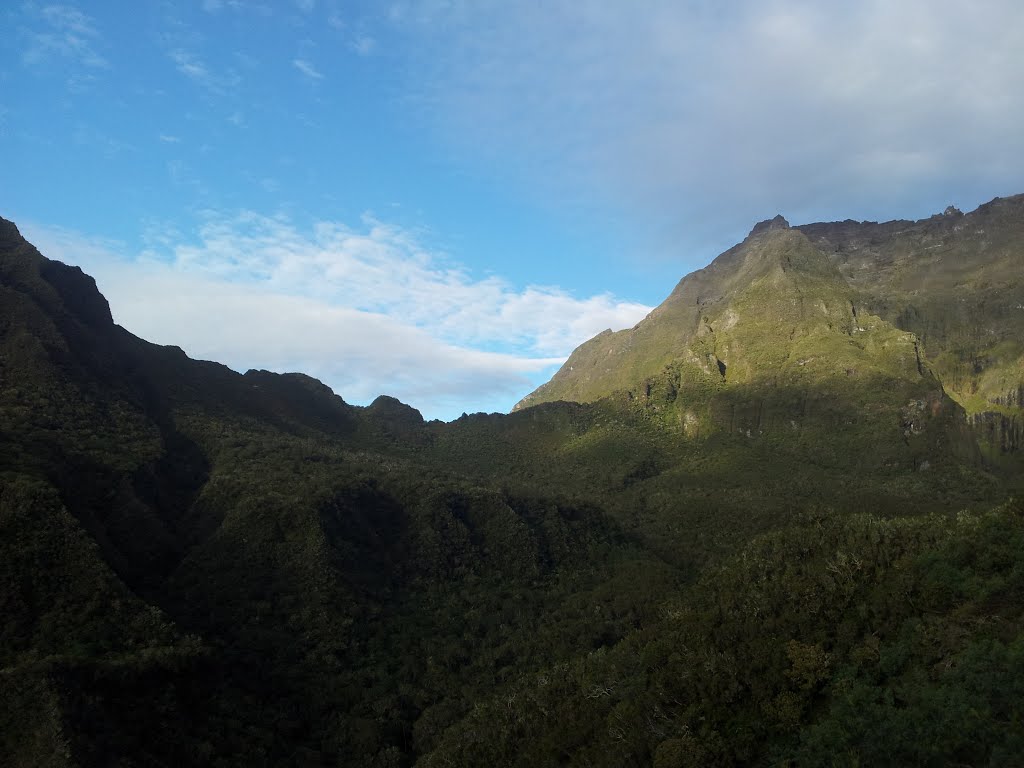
(955, 281)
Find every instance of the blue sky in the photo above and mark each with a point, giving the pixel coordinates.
(439, 200)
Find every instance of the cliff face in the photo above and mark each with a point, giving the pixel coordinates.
(956, 281)
(999, 434)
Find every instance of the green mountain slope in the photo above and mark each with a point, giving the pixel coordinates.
(771, 286)
(800, 308)
(955, 281)
(768, 342)
(772, 309)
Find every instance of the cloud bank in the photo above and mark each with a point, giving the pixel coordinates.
(368, 309)
(706, 116)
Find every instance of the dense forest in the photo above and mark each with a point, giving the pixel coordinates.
(778, 522)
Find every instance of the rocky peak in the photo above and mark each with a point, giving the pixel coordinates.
(393, 410)
(9, 234)
(78, 292)
(779, 222)
(62, 289)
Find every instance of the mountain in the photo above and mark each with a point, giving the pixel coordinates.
(767, 534)
(929, 308)
(203, 566)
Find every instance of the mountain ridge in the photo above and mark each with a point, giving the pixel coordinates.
(939, 279)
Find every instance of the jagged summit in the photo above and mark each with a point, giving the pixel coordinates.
(779, 222)
(394, 411)
(8, 231)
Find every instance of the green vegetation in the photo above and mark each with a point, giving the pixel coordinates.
(953, 280)
(763, 535)
(836, 641)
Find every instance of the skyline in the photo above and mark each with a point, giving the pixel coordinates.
(438, 201)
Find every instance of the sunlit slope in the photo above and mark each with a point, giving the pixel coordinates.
(774, 314)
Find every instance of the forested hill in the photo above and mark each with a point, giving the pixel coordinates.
(785, 545)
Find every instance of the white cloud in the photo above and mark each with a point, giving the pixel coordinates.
(369, 310)
(194, 68)
(703, 113)
(307, 69)
(190, 65)
(168, 139)
(68, 34)
(363, 45)
(383, 268)
(215, 6)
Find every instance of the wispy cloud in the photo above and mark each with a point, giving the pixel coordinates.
(98, 141)
(215, 6)
(190, 65)
(368, 309)
(168, 139)
(193, 67)
(67, 33)
(363, 45)
(307, 68)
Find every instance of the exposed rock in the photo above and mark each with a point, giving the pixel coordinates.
(393, 410)
(999, 431)
(1013, 398)
(79, 293)
(779, 222)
